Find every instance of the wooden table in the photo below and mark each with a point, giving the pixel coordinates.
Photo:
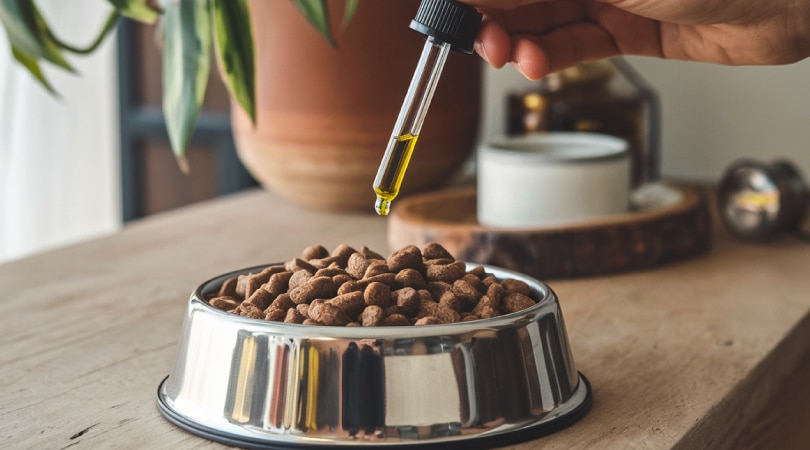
(709, 353)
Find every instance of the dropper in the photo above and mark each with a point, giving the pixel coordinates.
(447, 25)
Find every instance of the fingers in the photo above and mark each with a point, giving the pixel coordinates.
(535, 56)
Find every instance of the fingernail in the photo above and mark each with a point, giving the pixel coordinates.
(480, 49)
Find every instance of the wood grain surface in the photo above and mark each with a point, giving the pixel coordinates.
(713, 352)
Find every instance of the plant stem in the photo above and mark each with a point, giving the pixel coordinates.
(108, 26)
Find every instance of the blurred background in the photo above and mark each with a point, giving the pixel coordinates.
(83, 164)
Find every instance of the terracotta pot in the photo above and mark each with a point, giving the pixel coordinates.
(325, 114)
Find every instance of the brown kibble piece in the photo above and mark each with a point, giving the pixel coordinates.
(376, 267)
(371, 316)
(475, 282)
(279, 282)
(342, 279)
(516, 286)
(466, 293)
(377, 294)
(435, 251)
(275, 315)
(439, 262)
(407, 299)
(299, 264)
(385, 278)
(478, 271)
(303, 309)
(427, 320)
(466, 317)
(327, 314)
(446, 272)
(322, 263)
(450, 300)
(516, 302)
(293, 316)
(352, 303)
(370, 254)
(228, 288)
(317, 287)
(349, 286)
(260, 299)
(395, 320)
(342, 253)
(250, 311)
(283, 302)
(316, 251)
(357, 265)
(329, 271)
(438, 288)
(409, 257)
(312, 322)
(298, 278)
(410, 278)
(225, 303)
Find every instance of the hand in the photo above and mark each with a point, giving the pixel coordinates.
(542, 36)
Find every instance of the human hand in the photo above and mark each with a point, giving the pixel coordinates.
(542, 36)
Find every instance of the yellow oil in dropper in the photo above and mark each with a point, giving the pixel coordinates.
(446, 25)
(389, 178)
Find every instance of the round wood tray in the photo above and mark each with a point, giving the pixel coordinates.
(658, 234)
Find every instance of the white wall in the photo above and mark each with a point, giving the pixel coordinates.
(711, 114)
(59, 170)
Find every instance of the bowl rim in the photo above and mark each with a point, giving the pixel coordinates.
(548, 299)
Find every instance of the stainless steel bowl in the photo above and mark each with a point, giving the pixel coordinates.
(479, 384)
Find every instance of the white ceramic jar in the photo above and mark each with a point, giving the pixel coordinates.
(552, 179)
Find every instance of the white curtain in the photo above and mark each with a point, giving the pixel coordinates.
(59, 167)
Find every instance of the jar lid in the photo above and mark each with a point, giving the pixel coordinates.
(449, 21)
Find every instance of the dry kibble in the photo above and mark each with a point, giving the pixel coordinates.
(327, 314)
(516, 302)
(228, 288)
(224, 302)
(395, 320)
(342, 253)
(427, 320)
(275, 315)
(329, 271)
(376, 267)
(371, 316)
(293, 316)
(345, 287)
(409, 257)
(410, 278)
(384, 278)
(316, 251)
(317, 287)
(516, 286)
(349, 286)
(435, 251)
(450, 300)
(278, 283)
(370, 254)
(377, 294)
(352, 303)
(260, 299)
(298, 278)
(357, 265)
(407, 299)
(466, 293)
(283, 302)
(299, 264)
(446, 272)
(250, 311)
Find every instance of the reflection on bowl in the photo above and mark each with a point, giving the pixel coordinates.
(477, 384)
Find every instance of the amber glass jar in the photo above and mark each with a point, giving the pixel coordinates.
(606, 97)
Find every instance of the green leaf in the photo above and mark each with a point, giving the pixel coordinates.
(29, 33)
(32, 65)
(348, 13)
(186, 63)
(233, 37)
(136, 9)
(317, 13)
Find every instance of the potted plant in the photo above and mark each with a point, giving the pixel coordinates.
(313, 105)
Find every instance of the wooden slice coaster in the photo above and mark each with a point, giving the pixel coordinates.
(673, 224)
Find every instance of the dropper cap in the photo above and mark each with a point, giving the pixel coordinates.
(449, 21)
